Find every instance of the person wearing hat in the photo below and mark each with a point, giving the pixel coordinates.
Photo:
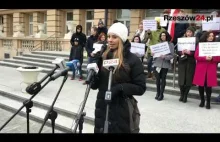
(80, 35)
(186, 67)
(102, 28)
(76, 58)
(128, 80)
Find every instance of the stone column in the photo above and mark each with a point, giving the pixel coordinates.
(79, 18)
(8, 25)
(18, 18)
(136, 18)
(53, 23)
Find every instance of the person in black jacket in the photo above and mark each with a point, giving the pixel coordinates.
(76, 53)
(128, 80)
(102, 28)
(180, 29)
(89, 44)
(78, 34)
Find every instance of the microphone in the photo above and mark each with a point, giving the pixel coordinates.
(93, 69)
(60, 62)
(111, 64)
(60, 73)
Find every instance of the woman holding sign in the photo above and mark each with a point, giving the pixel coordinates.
(161, 66)
(186, 68)
(206, 71)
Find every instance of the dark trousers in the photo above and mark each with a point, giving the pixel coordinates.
(160, 80)
(149, 64)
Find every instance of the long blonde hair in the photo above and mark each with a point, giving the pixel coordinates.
(117, 54)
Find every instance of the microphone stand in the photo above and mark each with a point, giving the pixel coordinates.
(80, 117)
(32, 89)
(51, 114)
(108, 97)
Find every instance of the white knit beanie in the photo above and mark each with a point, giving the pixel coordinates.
(120, 30)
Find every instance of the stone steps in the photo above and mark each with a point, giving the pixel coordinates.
(64, 121)
(44, 60)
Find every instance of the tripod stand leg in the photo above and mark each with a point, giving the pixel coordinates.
(52, 117)
(28, 104)
(81, 120)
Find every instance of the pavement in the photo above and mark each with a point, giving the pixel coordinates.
(167, 116)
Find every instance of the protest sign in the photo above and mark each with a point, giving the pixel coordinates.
(138, 49)
(188, 43)
(150, 25)
(209, 49)
(160, 49)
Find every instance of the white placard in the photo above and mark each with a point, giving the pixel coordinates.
(97, 47)
(209, 49)
(211, 25)
(163, 23)
(188, 43)
(150, 25)
(138, 49)
(160, 49)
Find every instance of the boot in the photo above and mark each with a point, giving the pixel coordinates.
(157, 85)
(149, 75)
(186, 92)
(157, 96)
(181, 93)
(208, 101)
(163, 84)
(202, 97)
(153, 76)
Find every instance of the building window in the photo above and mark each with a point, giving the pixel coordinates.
(123, 15)
(69, 18)
(31, 24)
(45, 23)
(89, 21)
(152, 13)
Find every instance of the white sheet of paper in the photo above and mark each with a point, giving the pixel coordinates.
(188, 43)
(163, 23)
(138, 49)
(150, 25)
(209, 49)
(211, 25)
(158, 69)
(160, 49)
(97, 47)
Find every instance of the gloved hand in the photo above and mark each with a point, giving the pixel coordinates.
(116, 90)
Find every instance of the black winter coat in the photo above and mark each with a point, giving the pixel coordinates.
(186, 68)
(89, 44)
(76, 53)
(80, 35)
(133, 82)
(180, 29)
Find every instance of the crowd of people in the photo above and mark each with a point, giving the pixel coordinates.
(130, 79)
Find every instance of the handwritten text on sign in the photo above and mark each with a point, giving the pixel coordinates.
(188, 43)
(150, 25)
(138, 49)
(209, 49)
(160, 49)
